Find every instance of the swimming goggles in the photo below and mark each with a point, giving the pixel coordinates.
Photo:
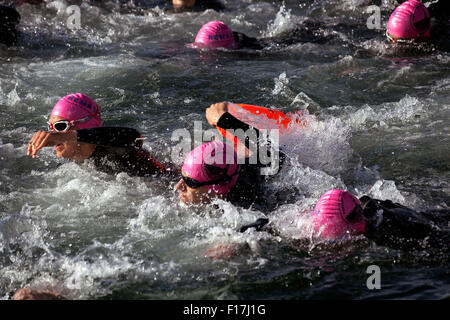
(195, 184)
(65, 125)
(399, 40)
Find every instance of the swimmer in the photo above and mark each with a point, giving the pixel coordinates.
(338, 213)
(10, 19)
(411, 22)
(216, 34)
(212, 170)
(75, 130)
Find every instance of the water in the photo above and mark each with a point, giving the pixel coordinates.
(378, 125)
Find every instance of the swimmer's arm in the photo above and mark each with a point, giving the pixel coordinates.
(43, 139)
(126, 138)
(245, 41)
(118, 137)
(105, 136)
(228, 122)
(217, 115)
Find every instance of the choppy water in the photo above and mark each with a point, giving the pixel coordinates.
(378, 126)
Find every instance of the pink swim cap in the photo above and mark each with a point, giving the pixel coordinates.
(213, 161)
(410, 20)
(336, 213)
(78, 106)
(215, 34)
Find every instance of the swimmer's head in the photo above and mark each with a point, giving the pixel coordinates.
(337, 213)
(80, 109)
(214, 34)
(409, 21)
(9, 17)
(209, 169)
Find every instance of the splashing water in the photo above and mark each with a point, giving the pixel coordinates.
(371, 123)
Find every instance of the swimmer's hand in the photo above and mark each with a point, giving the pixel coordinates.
(33, 294)
(215, 111)
(43, 139)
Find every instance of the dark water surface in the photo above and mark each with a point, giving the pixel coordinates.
(378, 125)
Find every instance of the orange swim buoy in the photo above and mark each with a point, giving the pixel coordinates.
(262, 118)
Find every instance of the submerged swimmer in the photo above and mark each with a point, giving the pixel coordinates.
(412, 23)
(75, 130)
(212, 170)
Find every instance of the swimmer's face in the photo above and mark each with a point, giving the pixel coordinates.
(67, 150)
(193, 196)
(183, 3)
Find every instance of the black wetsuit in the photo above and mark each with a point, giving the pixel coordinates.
(120, 150)
(440, 24)
(393, 225)
(309, 31)
(9, 19)
(248, 190)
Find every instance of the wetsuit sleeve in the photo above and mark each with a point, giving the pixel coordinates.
(440, 10)
(119, 149)
(397, 226)
(122, 147)
(111, 137)
(228, 122)
(245, 41)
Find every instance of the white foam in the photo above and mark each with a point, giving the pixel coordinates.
(321, 144)
(281, 85)
(293, 221)
(302, 101)
(387, 113)
(283, 21)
